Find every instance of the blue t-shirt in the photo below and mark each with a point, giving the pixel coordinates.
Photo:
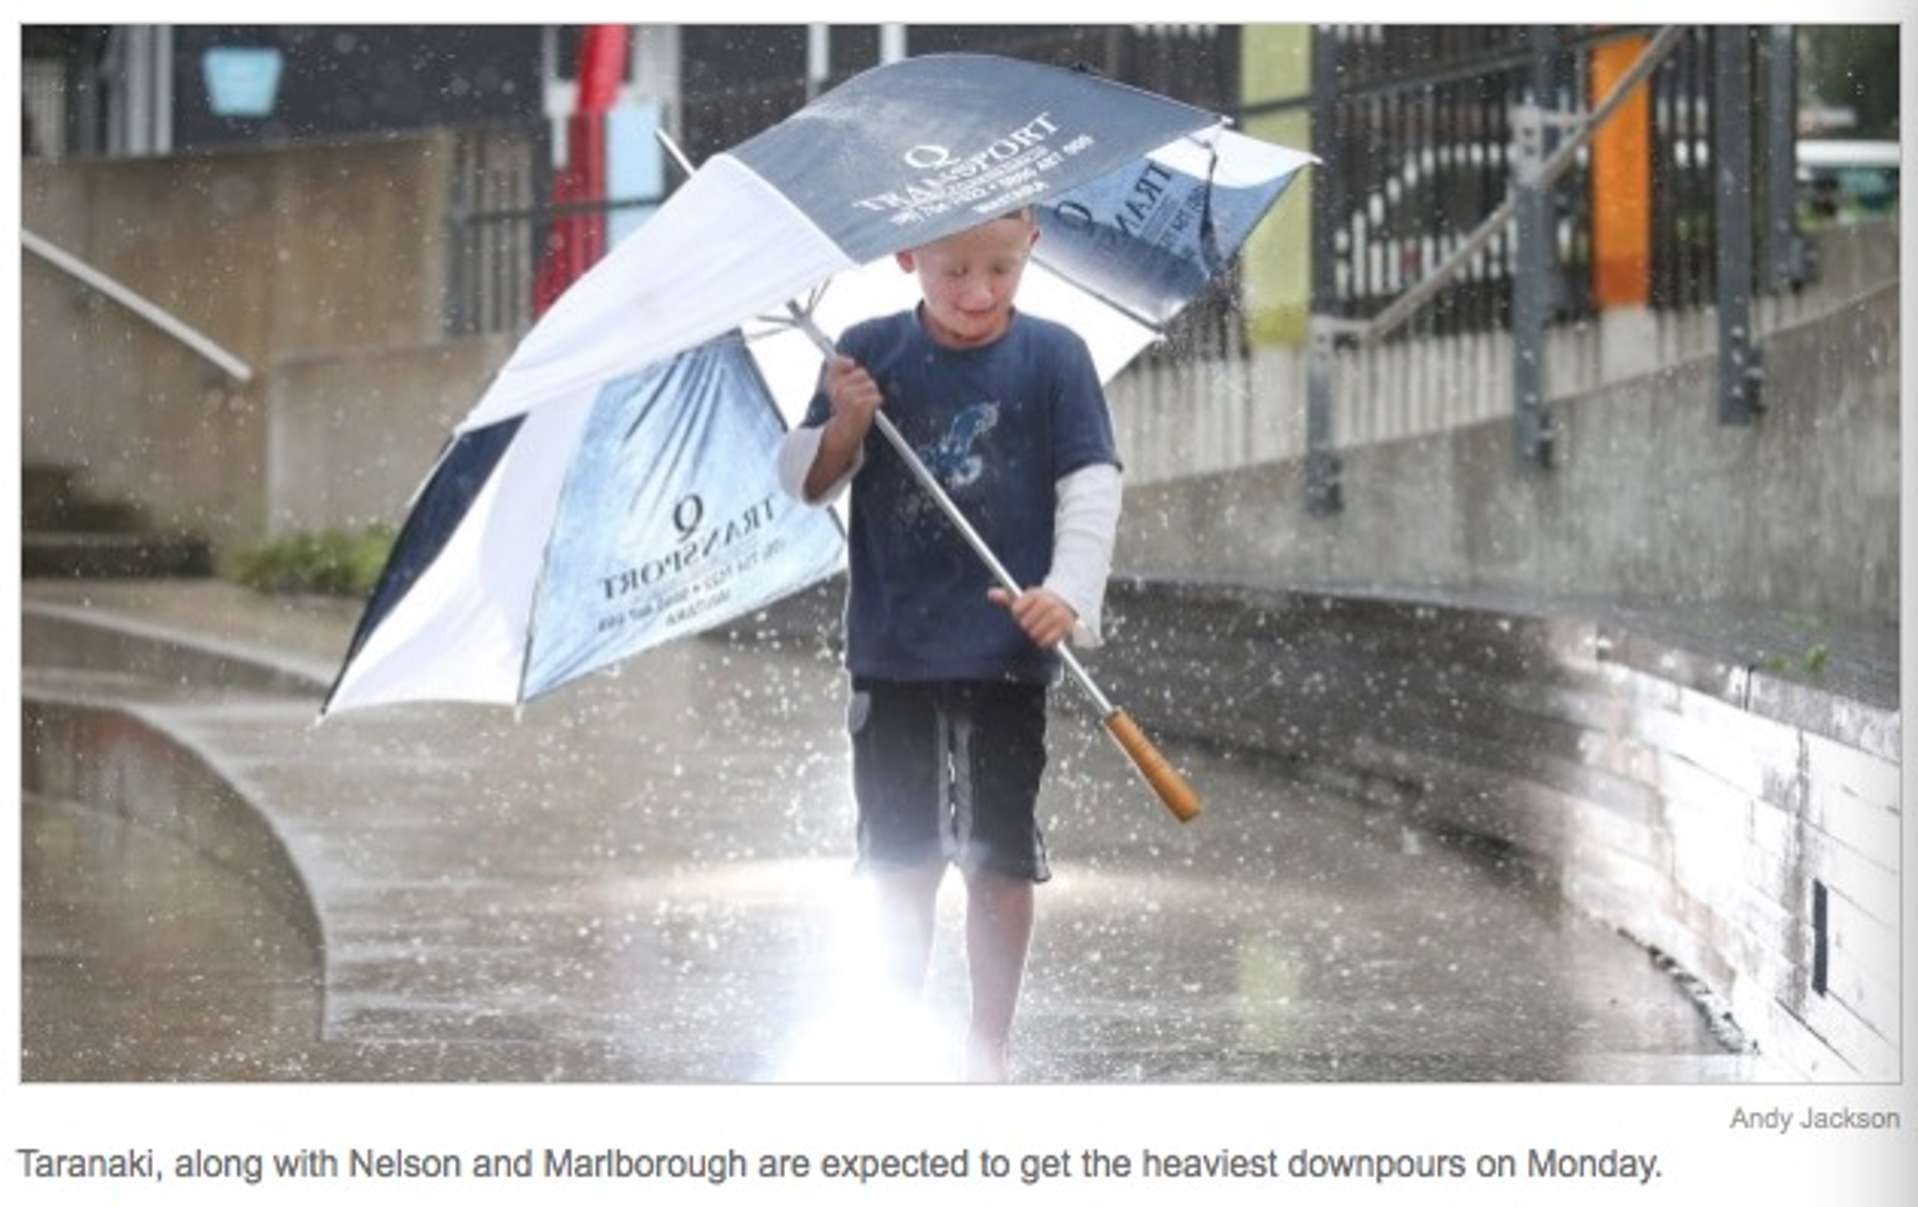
(998, 426)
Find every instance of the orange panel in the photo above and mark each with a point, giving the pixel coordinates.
(1621, 183)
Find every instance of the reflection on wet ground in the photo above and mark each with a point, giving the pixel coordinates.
(124, 926)
(645, 878)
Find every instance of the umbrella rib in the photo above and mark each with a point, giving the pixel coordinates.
(756, 336)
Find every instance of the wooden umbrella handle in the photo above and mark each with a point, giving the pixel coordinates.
(1168, 783)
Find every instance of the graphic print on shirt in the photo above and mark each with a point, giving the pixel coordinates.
(954, 460)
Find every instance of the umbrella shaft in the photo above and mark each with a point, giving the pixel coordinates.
(804, 322)
(931, 484)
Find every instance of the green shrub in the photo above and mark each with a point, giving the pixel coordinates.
(333, 562)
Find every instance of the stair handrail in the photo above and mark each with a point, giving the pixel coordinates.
(1408, 303)
(145, 307)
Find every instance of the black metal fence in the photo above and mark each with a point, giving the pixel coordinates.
(1415, 133)
(1685, 190)
(502, 219)
(1682, 188)
(502, 226)
(1413, 123)
(1197, 64)
(1440, 146)
(1417, 153)
(1417, 137)
(496, 219)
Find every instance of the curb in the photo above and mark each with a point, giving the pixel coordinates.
(121, 759)
(88, 639)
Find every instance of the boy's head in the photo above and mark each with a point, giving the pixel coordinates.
(969, 279)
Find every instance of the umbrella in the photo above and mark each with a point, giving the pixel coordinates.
(614, 487)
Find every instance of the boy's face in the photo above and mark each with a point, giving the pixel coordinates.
(969, 279)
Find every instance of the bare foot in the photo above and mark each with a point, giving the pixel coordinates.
(986, 1060)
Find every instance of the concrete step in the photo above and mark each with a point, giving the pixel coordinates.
(113, 555)
(88, 515)
(42, 487)
(52, 499)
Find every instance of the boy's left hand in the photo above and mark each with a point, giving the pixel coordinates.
(1046, 618)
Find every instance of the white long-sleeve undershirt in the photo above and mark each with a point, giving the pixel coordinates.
(796, 454)
(1085, 522)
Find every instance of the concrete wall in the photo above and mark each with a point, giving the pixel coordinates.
(271, 253)
(148, 420)
(1700, 806)
(322, 266)
(349, 438)
(1174, 419)
(1650, 496)
(338, 438)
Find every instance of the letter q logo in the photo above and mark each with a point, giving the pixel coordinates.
(687, 513)
(927, 156)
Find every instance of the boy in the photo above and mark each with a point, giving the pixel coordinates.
(949, 672)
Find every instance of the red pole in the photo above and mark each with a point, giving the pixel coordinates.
(577, 241)
(602, 66)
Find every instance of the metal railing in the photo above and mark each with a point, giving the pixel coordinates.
(498, 175)
(159, 316)
(494, 259)
(1456, 197)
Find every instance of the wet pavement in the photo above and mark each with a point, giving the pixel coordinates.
(645, 877)
(125, 925)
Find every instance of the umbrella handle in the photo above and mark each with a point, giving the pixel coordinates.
(1167, 782)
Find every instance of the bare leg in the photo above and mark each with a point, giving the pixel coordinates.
(998, 932)
(907, 898)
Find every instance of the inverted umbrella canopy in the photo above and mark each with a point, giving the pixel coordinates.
(615, 488)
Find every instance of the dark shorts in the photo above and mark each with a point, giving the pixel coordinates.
(949, 770)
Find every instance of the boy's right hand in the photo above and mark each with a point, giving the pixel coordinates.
(855, 399)
(854, 394)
